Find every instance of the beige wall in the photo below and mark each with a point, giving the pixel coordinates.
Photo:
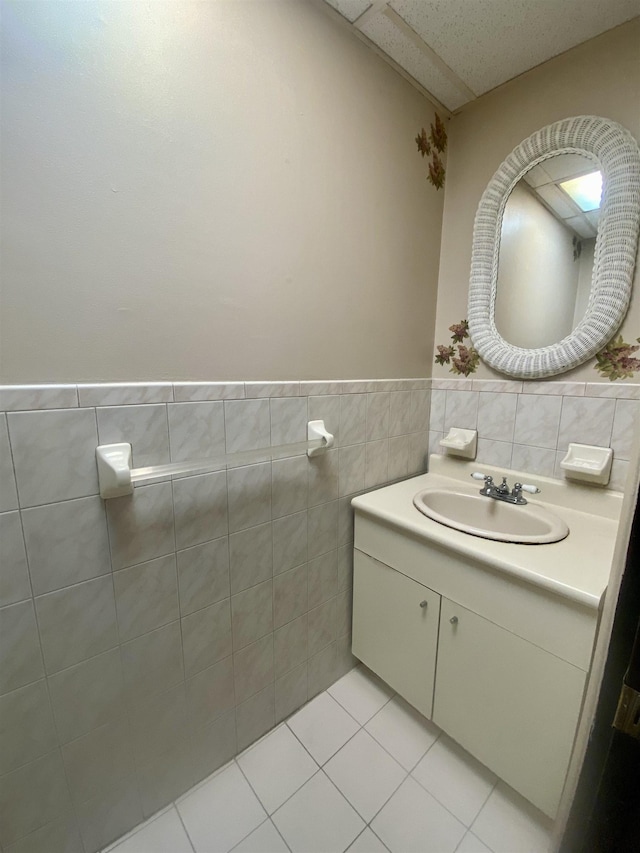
(219, 190)
(601, 77)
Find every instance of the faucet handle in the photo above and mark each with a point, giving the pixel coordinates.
(478, 476)
(526, 487)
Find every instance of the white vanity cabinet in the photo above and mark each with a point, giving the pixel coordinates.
(397, 629)
(499, 664)
(512, 705)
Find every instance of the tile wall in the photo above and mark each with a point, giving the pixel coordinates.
(146, 640)
(528, 426)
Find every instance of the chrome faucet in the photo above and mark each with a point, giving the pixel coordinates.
(502, 492)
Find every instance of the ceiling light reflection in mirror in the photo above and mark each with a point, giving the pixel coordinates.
(547, 243)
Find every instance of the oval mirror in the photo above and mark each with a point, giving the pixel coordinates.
(554, 248)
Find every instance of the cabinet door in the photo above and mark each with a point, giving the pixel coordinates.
(395, 629)
(511, 704)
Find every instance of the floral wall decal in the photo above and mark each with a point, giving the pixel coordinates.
(435, 143)
(463, 359)
(616, 360)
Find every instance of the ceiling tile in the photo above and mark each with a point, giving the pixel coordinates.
(350, 9)
(399, 47)
(487, 43)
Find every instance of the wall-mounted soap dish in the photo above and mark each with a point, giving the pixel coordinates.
(588, 463)
(460, 442)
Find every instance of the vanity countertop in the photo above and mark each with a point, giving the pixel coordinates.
(576, 568)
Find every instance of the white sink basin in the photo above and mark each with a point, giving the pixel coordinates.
(478, 515)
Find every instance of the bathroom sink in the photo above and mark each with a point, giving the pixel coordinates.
(483, 516)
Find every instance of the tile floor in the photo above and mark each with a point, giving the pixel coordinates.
(356, 769)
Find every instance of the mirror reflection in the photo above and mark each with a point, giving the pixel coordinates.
(547, 243)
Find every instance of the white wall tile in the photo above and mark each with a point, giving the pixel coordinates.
(153, 662)
(200, 507)
(289, 542)
(159, 723)
(324, 478)
(461, 409)
(253, 668)
(20, 658)
(351, 469)
(492, 452)
(192, 392)
(290, 595)
(251, 557)
(537, 420)
(203, 575)
(353, 418)
(88, 606)
(107, 816)
(125, 393)
(61, 835)
(503, 386)
(210, 693)
(618, 390)
(376, 463)
(99, 760)
(249, 496)
(66, 543)
(436, 417)
(533, 460)
(98, 682)
(19, 398)
(496, 416)
(8, 492)
(255, 716)
(322, 527)
(27, 730)
(54, 454)
(143, 427)
(141, 525)
(323, 578)
(146, 596)
(626, 425)
(252, 613)
(206, 637)
(586, 420)
(314, 389)
(377, 415)
(14, 578)
(32, 796)
(290, 646)
(196, 430)
(247, 424)
(290, 691)
(290, 485)
(288, 420)
(271, 389)
(554, 387)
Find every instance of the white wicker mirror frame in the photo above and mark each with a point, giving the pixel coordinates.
(615, 251)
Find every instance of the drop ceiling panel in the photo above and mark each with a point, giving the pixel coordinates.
(487, 42)
(460, 49)
(415, 61)
(350, 9)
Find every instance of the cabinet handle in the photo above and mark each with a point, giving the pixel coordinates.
(423, 604)
(454, 620)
